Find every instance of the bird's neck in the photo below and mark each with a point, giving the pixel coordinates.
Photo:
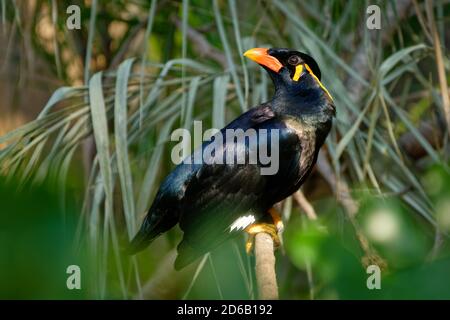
(307, 101)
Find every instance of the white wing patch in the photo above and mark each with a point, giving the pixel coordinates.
(242, 222)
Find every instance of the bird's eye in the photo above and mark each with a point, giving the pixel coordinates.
(294, 60)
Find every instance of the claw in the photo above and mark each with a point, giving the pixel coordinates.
(256, 228)
(249, 243)
(275, 230)
(277, 221)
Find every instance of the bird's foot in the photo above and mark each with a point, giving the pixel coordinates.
(256, 228)
(277, 221)
(274, 229)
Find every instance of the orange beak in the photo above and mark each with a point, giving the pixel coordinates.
(261, 56)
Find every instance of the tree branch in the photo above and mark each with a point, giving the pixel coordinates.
(202, 46)
(265, 267)
(343, 195)
(304, 204)
(166, 283)
(439, 63)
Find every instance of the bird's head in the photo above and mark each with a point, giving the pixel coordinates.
(287, 67)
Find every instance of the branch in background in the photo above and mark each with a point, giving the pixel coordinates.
(431, 131)
(165, 281)
(439, 63)
(339, 187)
(304, 204)
(162, 283)
(342, 191)
(265, 267)
(413, 96)
(132, 36)
(89, 150)
(202, 46)
(421, 20)
(124, 48)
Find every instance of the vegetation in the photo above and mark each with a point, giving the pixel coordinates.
(137, 70)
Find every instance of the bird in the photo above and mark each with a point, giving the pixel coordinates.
(215, 201)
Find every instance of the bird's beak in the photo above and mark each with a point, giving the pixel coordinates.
(261, 56)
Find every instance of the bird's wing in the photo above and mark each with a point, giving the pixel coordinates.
(164, 212)
(222, 199)
(170, 198)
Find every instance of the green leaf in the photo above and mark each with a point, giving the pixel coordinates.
(226, 47)
(390, 62)
(120, 133)
(220, 92)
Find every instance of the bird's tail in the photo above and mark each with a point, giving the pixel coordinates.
(154, 224)
(141, 240)
(186, 255)
(138, 243)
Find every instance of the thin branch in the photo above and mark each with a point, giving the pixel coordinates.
(265, 267)
(202, 46)
(342, 191)
(304, 204)
(421, 19)
(432, 130)
(340, 187)
(439, 63)
(126, 44)
(165, 282)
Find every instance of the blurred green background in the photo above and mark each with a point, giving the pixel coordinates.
(86, 118)
(37, 244)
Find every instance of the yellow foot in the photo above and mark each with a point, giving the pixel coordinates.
(275, 230)
(256, 228)
(277, 221)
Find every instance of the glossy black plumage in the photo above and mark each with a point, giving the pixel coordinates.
(205, 199)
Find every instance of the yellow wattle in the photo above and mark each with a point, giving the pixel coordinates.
(298, 72)
(317, 79)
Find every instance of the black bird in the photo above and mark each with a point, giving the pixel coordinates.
(216, 200)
